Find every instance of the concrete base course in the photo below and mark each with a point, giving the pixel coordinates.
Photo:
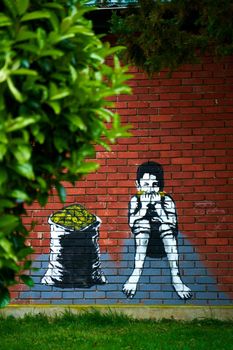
(185, 313)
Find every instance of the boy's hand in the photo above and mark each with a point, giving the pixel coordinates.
(150, 198)
(155, 198)
(145, 200)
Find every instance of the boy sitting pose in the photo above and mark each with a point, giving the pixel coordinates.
(153, 221)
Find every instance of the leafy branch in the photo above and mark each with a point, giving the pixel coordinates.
(54, 84)
(168, 33)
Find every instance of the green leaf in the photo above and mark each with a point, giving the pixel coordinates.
(5, 203)
(20, 122)
(20, 195)
(22, 6)
(53, 6)
(104, 113)
(60, 143)
(78, 29)
(4, 297)
(42, 183)
(6, 245)
(55, 106)
(73, 73)
(27, 265)
(60, 94)
(87, 167)
(24, 252)
(41, 38)
(15, 92)
(77, 121)
(54, 21)
(25, 170)
(8, 222)
(42, 198)
(22, 153)
(55, 38)
(27, 280)
(3, 150)
(35, 15)
(25, 34)
(53, 53)
(24, 71)
(39, 136)
(61, 192)
(66, 24)
(4, 20)
(11, 7)
(28, 48)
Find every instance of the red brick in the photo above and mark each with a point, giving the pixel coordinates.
(120, 105)
(182, 160)
(181, 74)
(217, 241)
(169, 96)
(182, 146)
(160, 104)
(119, 147)
(148, 97)
(159, 147)
(142, 111)
(170, 154)
(215, 166)
(141, 90)
(170, 139)
(128, 155)
(190, 110)
(138, 104)
(180, 132)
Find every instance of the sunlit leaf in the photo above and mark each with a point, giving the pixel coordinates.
(35, 15)
(23, 71)
(20, 123)
(88, 167)
(20, 195)
(15, 92)
(25, 170)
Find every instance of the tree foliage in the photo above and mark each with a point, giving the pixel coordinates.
(167, 33)
(54, 87)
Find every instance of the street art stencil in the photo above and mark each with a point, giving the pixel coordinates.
(74, 260)
(153, 222)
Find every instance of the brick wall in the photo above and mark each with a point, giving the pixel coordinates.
(184, 122)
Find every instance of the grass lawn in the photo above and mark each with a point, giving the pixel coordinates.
(110, 331)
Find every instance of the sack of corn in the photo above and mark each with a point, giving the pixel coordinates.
(74, 260)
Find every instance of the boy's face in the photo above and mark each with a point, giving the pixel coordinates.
(148, 184)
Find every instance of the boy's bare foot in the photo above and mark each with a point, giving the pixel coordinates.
(181, 289)
(129, 288)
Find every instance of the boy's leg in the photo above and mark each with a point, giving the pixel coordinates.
(170, 246)
(130, 285)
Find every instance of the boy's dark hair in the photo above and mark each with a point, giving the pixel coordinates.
(152, 168)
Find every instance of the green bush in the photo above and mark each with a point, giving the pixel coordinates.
(54, 109)
(168, 33)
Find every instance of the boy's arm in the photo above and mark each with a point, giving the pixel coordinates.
(167, 211)
(135, 212)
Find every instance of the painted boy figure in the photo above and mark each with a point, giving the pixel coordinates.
(153, 221)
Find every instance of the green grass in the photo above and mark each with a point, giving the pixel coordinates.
(110, 331)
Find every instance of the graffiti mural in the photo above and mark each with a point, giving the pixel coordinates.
(153, 222)
(74, 259)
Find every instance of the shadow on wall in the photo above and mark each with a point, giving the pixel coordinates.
(154, 286)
